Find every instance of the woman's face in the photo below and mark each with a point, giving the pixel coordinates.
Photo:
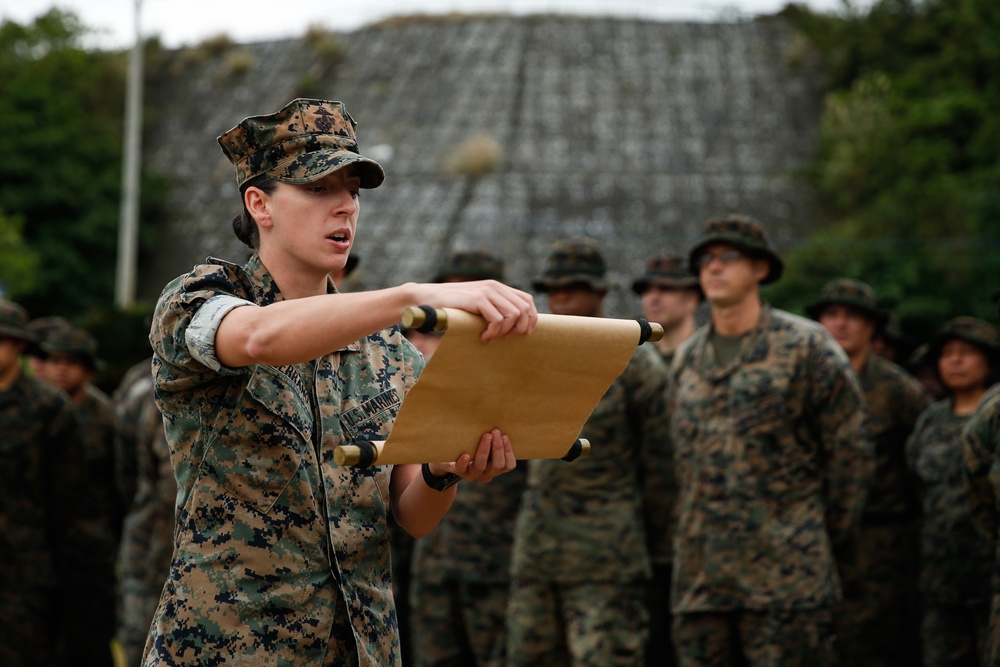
(312, 226)
(963, 366)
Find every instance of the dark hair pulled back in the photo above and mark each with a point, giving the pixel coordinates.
(244, 226)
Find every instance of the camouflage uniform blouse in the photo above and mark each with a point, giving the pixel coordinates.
(980, 446)
(895, 400)
(55, 544)
(955, 563)
(276, 549)
(773, 463)
(583, 521)
(473, 541)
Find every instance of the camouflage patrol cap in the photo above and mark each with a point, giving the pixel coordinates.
(667, 271)
(973, 330)
(470, 265)
(848, 292)
(573, 261)
(742, 232)
(305, 141)
(72, 342)
(14, 321)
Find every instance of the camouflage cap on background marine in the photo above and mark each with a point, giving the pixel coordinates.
(470, 265)
(742, 232)
(667, 271)
(970, 329)
(847, 292)
(302, 142)
(14, 321)
(41, 327)
(72, 342)
(573, 261)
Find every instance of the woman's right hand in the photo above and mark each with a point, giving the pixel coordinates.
(508, 311)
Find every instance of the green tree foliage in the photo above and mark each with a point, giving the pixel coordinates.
(908, 168)
(18, 262)
(61, 108)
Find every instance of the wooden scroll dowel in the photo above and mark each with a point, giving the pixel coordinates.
(425, 319)
(649, 330)
(366, 453)
(361, 454)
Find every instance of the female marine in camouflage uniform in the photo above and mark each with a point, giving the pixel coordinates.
(955, 561)
(280, 556)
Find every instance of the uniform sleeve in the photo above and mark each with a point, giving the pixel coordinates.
(839, 422)
(648, 408)
(183, 337)
(915, 403)
(912, 451)
(83, 548)
(979, 448)
(200, 333)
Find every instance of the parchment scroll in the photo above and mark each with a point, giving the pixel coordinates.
(539, 388)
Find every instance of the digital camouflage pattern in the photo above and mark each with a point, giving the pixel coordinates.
(778, 637)
(774, 461)
(955, 562)
(461, 569)
(895, 400)
(573, 261)
(53, 534)
(599, 624)
(148, 529)
(70, 341)
(879, 604)
(97, 439)
(14, 321)
(132, 393)
(304, 141)
(667, 271)
(460, 624)
(473, 541)
(280, 557)
(847, 292)
(41, 328)
(469, 550)
(980, 450)
(583, 523)
(970, 329)
(470, 265)
(742, 232)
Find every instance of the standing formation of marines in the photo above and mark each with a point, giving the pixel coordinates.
(763, 489)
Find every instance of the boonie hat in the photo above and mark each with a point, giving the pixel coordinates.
(303, 142)
(72, 342)
(470, 265)
(848, 292)
(973, 330)
(573, 261)
(668, 271)
(14, 321)
(40, 328)
(740, 231)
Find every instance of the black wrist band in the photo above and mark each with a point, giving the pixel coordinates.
(438, 482)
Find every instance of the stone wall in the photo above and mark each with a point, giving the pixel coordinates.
(631, 132)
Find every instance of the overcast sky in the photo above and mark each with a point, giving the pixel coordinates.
(187, 22)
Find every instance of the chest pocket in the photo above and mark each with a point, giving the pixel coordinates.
(372, 418)
(260, 448)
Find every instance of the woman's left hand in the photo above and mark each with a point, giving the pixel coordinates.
(494, 456)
